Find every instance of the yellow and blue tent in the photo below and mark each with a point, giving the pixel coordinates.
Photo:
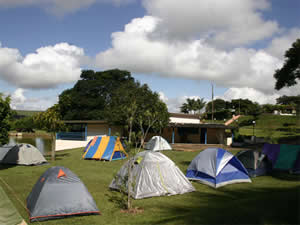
(105, 148)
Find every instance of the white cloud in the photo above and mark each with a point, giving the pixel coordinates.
(222, 23)
(279, 45)
(133, 50)
(174, 104)
(60, 7)
(20, 102)
(49, 67)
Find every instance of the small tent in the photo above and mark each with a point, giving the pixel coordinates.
(157, 143)
(216, 167)
(23, 154)
(154, 174)
(3, 151)
(105, 148)
(283, 156)
(255, 162)
(59, 193)
(8, 213)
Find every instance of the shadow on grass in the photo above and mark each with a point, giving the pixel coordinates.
(246, 206)
(285, 175)
(6, 166)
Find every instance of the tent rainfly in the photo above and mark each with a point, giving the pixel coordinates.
(157, 143)
(8, 213)
(59, 193)
(283, 156)
(23, 154)
(105, 148)
(154, 174)
(255, 162)
(216, 167)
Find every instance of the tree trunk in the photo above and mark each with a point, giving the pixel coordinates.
(53, 147)
(129, 186)
(130, 131)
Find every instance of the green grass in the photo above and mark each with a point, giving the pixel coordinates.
(272, 126)
(267, 200)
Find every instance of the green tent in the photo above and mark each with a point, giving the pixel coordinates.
(8, 213)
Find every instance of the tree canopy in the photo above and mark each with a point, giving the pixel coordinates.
(5, 113)
(192, 105)
(288, 100)
(289, 74)
(91, 94)
(113, 96)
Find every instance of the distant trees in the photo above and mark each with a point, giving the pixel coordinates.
(289, 74)
(193, 105)
(5, 113)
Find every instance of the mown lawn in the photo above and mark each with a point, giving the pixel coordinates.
(267, 200)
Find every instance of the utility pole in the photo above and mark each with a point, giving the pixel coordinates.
(240, 107)
(212, 101)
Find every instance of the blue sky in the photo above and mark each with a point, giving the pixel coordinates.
(177, 47)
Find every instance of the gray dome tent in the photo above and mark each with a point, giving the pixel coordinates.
(59, 193)
(155, 175)
(23, 154)
(255, 162)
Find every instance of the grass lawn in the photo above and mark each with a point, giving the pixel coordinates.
(267, 200)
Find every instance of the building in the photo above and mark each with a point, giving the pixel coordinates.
(182, 128)
(188, 128)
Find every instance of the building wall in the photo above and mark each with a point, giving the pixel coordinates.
(92, 131)
(213, 136)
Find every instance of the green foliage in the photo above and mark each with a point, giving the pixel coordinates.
(137, 107)
(290, 72)
(219, 105)
(92, 94)
(288, 100)
(5, 113)
(192, 105)
(50, 120)
(25, 124)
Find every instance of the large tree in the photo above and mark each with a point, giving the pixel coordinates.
(91, 94)
(289, 74)
(5, 113)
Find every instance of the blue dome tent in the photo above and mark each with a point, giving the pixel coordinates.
(216, 167)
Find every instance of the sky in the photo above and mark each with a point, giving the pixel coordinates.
(179, 48)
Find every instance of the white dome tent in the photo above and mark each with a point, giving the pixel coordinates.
(154, 174)
(158, 143)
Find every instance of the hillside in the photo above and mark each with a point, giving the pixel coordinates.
(271, 126)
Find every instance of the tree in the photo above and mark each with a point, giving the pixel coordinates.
(5, 113)
(139, 109)
(288, 100)
(219, 105)
(192, 105)
(290, 72)
(92, 94)
(51, 122)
